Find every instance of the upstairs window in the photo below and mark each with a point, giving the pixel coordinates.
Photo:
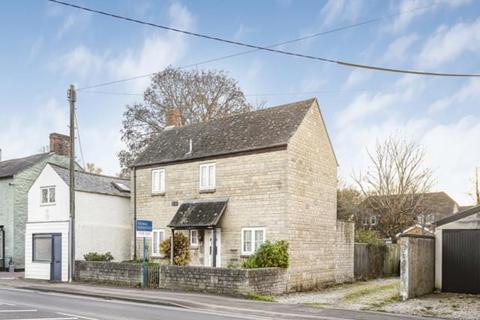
(158, 181)
(48, 195)
(252, 239)
(157, 237)
(207, 176)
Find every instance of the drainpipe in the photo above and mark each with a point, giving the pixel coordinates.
(134, 213)
(214, 246)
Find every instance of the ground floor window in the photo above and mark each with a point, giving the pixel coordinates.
(42, 248)
(158, 236)
(194, 238)
(252, 239)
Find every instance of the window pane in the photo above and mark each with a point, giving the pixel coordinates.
(247, 240)
(42, 248)
(44, 195)
(258, 238)
(204, 177)
(161, 181)
(51, 195)
(211, 176)
(155, 242)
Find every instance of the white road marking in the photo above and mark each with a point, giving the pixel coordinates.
(24, 310)
(74, 315)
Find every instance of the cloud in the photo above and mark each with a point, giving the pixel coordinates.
(31, 136)
(412, 9)
(340, 10)
(356, 77)
(469, 92)
(398, 49)
(448, 44)
(241, 32)
(158, 50)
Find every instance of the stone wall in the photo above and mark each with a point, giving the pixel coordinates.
(417, 265)
(269, 281)
(344, 251)
(127, 274)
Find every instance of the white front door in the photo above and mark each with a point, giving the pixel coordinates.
(208, 247)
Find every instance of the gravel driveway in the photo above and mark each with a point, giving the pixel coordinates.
(382, 295)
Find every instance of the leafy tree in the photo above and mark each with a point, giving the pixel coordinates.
(199, 95)
(181, 247)
(348, 202)
(394, 184)
(92, 168)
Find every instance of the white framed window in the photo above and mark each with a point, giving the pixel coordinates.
(194, 238)
(42, 248)
(207, 176)
(48, 195)
(373, 220)
(158, 180)
(252, 239)
(158, 235)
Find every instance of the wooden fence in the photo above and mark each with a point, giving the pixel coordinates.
(372, 262)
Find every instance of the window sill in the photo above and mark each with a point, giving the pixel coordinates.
(207, 190)
(246, 255)
(47, 204)
(158, 194)
(194, 247)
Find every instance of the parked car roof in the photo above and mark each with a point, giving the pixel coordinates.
(9, 168)
(95, 183)
(261, 129)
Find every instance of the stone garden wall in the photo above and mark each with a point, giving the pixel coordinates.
(268, 281)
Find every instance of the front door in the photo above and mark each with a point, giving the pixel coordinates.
(208, 247)
(56, 269)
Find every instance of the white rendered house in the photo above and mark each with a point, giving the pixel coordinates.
(102, 221)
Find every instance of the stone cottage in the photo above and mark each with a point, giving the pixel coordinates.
(231, 184)
(16, 178)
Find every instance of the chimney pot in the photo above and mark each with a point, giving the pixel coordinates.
(60, 144)
(174, 118)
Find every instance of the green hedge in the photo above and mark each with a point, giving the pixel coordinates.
(270, 254)
(94, 256)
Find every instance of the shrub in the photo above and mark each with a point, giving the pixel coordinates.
(270, 254)
(370, 237)
(181, 255)
(94, 256)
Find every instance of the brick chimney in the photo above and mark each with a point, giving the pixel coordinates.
(60, 144)
(174, 118)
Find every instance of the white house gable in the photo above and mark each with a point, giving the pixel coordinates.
(48, 198)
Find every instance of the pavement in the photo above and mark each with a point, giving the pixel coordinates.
(77, 298)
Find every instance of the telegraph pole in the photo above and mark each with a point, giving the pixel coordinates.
(72, 98)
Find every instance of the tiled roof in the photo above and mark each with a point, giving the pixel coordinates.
(89, 182)
(9, 168)
(247, 131)
(198, 214)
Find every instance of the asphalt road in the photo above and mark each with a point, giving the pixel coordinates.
(16, 304)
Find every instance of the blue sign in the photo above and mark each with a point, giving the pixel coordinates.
(144, 225)
(144, 228)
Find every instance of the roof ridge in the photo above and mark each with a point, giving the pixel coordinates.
(30, 156)
(90, 173)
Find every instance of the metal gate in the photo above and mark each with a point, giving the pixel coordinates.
(461, 261)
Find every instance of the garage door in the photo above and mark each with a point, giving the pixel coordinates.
(461, 261)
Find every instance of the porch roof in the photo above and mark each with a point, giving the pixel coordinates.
(199, 214)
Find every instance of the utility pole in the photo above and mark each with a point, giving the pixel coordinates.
(72, 97)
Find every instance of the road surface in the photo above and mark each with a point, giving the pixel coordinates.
(22, 304)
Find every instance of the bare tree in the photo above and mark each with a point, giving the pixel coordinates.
(199, 95)
(92, 168)
(395, 183)
(348, 201)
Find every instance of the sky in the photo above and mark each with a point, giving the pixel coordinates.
(46, 47)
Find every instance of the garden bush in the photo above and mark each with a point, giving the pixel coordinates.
(181, 255)
(270, 254)
(94, 256)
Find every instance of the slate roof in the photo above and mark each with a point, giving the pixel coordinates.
(199, 214)
(459, 215)
(9, 168)
(242, 132)
(439, 203)
(89, 182)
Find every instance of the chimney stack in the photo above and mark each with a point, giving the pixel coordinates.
(60, 144)
(174, 118)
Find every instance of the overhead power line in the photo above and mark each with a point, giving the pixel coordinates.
(256, 47)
